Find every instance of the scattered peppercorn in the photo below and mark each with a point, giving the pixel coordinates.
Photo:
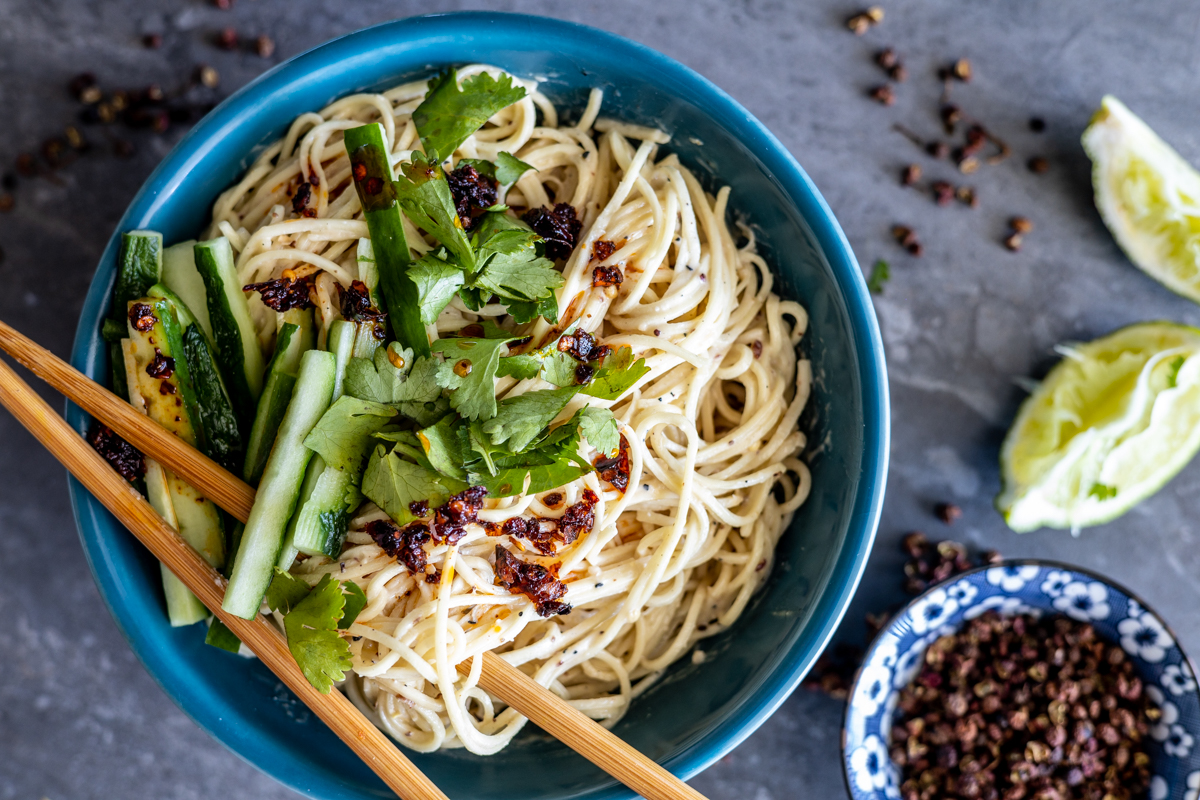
(152, 41)
(1038, 164)
(967, 196)
(883, 94)
(265, 46)
(81, 83)
(911, 174)
(9, 181)
(7, 202)
(1037, 124)
(1020, 224)
(951, 115)
(26, 165)
(904, 235)
(1013, 242)
(208, 76)
(948, 512)
(1017, 707)
(968, 165)
(928, 563)
(861, 22)
(886, 58)
(224, 5)
(938, 149)
(961, 70)
(123, 148)
(943, 193)
(226, 39)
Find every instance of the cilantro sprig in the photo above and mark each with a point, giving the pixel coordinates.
(449, 114)
(312, 619)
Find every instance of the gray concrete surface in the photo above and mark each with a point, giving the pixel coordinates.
(79, 718)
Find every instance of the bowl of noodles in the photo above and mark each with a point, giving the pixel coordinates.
(697, 575)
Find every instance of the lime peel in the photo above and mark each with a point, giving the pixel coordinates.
(1109, 426)
(1148, 196)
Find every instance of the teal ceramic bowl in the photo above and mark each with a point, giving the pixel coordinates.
(697, 713)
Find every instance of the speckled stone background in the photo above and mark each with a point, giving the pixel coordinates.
(79, 718)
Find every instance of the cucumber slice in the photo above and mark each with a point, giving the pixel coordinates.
(213, 409)
(220, 424)
(138, 268)
(368, 270)
(312, 475)
(169, 398)
(279, 490)
(340, 342)
(180, 275)
(321, 524)
(281, 380)
(238, 351)
(183, 608)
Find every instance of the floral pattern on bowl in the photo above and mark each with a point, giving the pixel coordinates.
(1034, 588)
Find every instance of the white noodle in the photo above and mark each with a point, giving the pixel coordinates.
(712, 429)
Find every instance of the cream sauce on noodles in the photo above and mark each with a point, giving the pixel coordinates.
(712, 428)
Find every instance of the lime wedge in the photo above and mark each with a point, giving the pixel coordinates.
(1148, 196)
(1112, 423)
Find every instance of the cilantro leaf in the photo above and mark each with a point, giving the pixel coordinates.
(881, 273)
(286, 591)
(377, 379)
(509, 168)
(523, 311)
(559, 368)
(533, 479)
(425, 196)
(312, 635)
(421, 385)
(343, 435)
(220, 636)
(449, 114)
(441, 445)
(618, 373)
(437, 281)
(522, 367)
(356, 601)
(473, 394)
(392, 483)
(553, 462)
(520, 419)
(513, 269)
(599, 427)
(414, 390)
(481, 445)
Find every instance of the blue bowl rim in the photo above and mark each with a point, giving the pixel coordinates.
(1008, 562)
(867, 344)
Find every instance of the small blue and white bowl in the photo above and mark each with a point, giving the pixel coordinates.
(1034, 588)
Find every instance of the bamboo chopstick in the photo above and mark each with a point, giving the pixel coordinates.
(209, 478)
(367, 741)
(544, 708)
(579, 732)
